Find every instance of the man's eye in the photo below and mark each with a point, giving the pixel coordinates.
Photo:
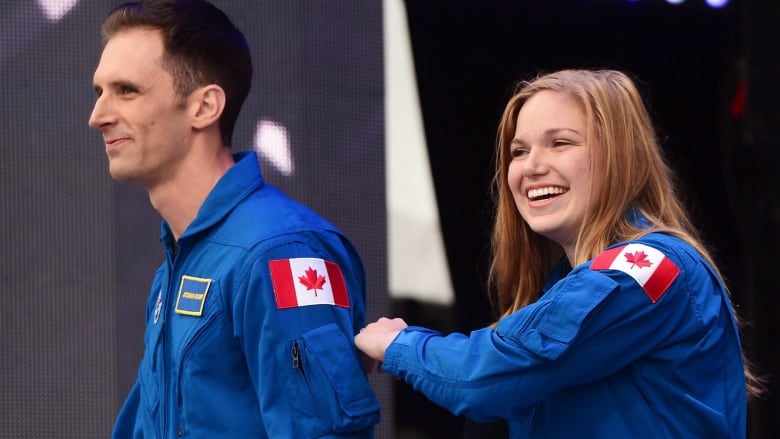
(126, 89)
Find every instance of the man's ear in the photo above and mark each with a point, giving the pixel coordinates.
(207, 104)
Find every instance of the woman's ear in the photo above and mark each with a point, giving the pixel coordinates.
(207, 104)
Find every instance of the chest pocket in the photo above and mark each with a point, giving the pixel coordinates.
(558, 321)
(195, 302)
(151, 381)
(177, 322)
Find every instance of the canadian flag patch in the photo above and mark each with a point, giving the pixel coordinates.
(307, 281)
(649, 267)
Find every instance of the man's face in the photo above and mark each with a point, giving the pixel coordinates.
(144, 122)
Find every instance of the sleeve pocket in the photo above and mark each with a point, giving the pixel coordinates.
(334, 375)
(563, 317)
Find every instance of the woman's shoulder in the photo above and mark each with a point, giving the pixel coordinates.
(654, 261)
(642, 250)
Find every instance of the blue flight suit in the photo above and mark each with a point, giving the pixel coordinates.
(223, 358)
(599, 355)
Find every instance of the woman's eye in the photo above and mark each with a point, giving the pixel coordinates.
(518, 152)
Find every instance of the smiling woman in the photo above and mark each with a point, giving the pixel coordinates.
(614, 316)
(549, 172)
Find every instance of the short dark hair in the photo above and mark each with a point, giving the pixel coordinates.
(202, 46)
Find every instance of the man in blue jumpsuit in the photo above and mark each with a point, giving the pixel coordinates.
(250, 318)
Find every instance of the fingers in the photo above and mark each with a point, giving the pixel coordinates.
(374, 339)
(389, 324)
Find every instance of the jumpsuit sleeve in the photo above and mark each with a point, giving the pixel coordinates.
(306, 371)
(126, 426)
(589, 325)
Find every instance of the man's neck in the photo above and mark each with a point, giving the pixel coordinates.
(179, 199)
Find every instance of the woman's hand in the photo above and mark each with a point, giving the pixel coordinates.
(374, 339)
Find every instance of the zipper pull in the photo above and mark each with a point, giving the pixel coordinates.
(296, 356)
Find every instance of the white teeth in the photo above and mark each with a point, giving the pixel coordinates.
(545, 191)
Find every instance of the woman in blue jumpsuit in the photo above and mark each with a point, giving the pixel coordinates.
(615, 322)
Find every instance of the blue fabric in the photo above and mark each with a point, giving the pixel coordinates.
(595, 358)
(242, 367)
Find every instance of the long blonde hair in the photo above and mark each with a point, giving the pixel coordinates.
(626, 159)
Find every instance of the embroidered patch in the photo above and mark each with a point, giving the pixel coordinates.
(649, 267)
(192, 295)
(158, 307)
(307, 281)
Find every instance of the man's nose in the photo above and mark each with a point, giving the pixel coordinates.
(101, 113)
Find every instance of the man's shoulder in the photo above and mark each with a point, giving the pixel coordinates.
(269, 213)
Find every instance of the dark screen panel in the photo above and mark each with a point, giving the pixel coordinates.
(79, 251)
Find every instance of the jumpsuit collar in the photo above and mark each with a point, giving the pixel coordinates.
(243, 178)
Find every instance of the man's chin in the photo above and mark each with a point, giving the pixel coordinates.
(124, 176)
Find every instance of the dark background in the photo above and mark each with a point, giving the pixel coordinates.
(691, 61)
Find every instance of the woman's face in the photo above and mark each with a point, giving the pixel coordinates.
(549, 172)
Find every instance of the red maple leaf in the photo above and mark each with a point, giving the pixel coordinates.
(638, 259)
(312, 281)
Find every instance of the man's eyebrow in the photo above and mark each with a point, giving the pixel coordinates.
(119, 84)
